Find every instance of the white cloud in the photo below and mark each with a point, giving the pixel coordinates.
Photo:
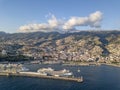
(75, 21)
(49, 26)
(93, 20)
(54, 24)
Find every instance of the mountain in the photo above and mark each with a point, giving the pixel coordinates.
(102, 46)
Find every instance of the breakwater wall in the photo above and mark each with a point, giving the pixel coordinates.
(35, 74)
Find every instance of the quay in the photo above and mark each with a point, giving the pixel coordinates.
(35, 74)
(81, 64)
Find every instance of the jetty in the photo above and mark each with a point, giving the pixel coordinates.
(35, 74)
(46, 73)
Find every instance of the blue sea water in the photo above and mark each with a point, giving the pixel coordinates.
(95, 78)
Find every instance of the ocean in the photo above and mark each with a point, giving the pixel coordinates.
(95, 78)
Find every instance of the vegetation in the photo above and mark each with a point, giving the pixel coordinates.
(15, 58)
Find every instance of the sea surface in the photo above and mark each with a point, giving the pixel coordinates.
(95, 78)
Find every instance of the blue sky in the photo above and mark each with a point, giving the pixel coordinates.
(17, 13)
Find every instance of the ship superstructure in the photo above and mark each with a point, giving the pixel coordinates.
(57, 73)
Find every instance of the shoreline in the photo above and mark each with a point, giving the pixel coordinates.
(89, 64)
(73, 63)
(114, 65)
(81, 64)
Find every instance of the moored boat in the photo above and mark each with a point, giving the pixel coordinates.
(57, 73)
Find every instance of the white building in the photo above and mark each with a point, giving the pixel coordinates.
(4, 52)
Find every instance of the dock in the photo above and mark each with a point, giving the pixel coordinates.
(35, 74)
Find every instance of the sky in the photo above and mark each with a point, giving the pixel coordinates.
(58, 15)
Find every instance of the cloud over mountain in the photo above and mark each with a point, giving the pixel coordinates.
(51, 24)
(93, 20)
(54, 24)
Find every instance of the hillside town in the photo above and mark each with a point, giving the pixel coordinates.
(66, 47)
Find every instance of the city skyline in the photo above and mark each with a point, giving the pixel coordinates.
(44, 15)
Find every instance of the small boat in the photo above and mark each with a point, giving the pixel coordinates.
(78, 70)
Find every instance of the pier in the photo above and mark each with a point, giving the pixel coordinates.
(35, 74)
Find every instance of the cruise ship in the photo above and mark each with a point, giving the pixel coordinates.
(51, 72)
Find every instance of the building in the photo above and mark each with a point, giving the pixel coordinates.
(4, 52)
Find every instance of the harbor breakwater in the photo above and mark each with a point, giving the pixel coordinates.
(35, 74)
